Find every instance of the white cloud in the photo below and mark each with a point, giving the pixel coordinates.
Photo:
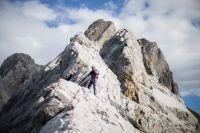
(191, 92)
(23, 29)
(85, 15)
(111, 5)
(30, 10)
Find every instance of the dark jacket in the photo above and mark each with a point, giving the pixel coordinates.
(94, 74)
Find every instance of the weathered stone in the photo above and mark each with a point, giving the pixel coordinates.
(100, 31)
(87, 114)
(152, 53)
(155, 105)
(57, 99)
(195, 114)
(73, 64)
(15, 70)
(122, 54)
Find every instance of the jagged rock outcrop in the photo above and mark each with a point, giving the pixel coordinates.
(129, 98)
(39, 102)
(152, 54)
(123, 56)
(195, 114)
(156, 106)
(86, 113)
(14, 71)
(100, 31)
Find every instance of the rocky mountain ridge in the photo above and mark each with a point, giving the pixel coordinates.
(15, 70)
(135, 90)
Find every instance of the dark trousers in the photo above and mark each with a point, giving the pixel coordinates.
(93, 82)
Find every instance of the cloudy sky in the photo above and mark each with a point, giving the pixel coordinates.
(42, 28)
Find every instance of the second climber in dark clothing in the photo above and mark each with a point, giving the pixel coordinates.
(94, 76)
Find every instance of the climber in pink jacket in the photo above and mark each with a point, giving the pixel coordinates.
(94, 76)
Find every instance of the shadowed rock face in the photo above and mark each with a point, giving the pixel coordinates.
(119, 55)
(152, 54)
(140, 82)
(46, 95)
(195, 114)
(100, 31)
(130, 97)
(18, 59)
(14, 71)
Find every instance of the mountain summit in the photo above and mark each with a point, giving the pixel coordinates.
(135, 89)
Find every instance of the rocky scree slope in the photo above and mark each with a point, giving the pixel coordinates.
(135, 89)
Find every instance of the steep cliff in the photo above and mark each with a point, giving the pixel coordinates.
(131, 97)
(157, 108)
(152, 54)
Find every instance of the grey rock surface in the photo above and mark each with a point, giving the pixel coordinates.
(153, 54)
(100, 31)
(15, 70)
(155, 108)
(40, 100)
(86, 113)
(197, 115)
(130, 97)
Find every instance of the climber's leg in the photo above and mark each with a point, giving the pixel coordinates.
(90, 84)
(94, 87)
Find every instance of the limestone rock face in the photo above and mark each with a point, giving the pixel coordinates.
(153, 54)
(123, 55)
(40, 100)
(130, 97)
(75, 62)
(155, 108)
(86, 113)
(15, 70)
(100, 31)
(195, 114)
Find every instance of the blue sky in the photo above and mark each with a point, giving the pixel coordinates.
(92, 4)
(36, 27)
(192, 102)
